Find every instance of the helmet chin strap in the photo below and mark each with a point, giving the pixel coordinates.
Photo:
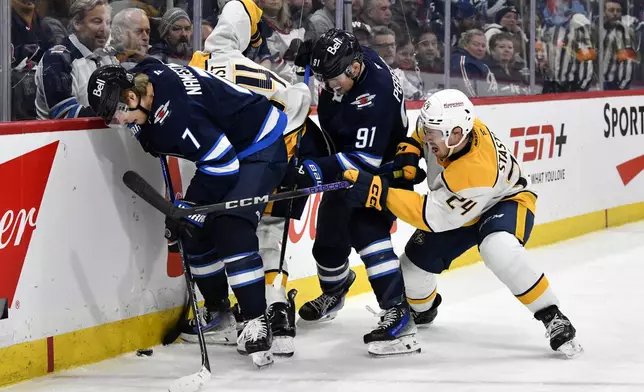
(451, 148)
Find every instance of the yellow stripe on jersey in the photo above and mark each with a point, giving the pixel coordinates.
(478, 167)
(408, 206)
(255, 15)
(200, 60)
(519, 230)
(526, 199)
(418, 136)
(534, 292)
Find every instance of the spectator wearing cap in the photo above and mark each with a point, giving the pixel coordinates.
(505, 21)
(63, 72)
(323, 19)
(363, 33)
(175, 31)
(476, 79)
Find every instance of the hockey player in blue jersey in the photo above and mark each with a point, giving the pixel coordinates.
(235, 139)
(362, 108)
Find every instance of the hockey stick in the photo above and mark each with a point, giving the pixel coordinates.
(172, 335)
(138, 185)
(195, 381)
(289, 210)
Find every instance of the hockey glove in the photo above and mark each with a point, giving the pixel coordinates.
(406, 171)
(188, 227)
(306, 175)
(368, 190)
(302, 54)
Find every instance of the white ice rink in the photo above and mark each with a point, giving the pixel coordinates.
(482, 340)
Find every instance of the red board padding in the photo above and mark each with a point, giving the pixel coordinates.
(20, 127)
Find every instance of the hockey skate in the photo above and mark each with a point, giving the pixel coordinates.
(256, 340)
(423, 319)
(560, 331)
(395, 334)
(218, 325)
(326, 306)
(281, 317)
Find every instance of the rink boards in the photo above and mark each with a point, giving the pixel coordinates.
(84, 271)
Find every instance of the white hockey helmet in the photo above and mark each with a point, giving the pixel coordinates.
(443, 111)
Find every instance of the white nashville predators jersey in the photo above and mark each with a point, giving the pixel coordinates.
(222, 55)
(463, 188)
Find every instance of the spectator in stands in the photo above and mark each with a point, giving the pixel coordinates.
(356, 9)
(506, 22)
(384, 43)
(131, 36)
(404, 14)
(175, 31)
(363, 33)
(63, 72)
(278, 36)
(378, 13)
(619, 57)
(323, 19)
(206, 29)
(504, 67)
(301, 16)
(26, 34)
(464, 19)
(474, 76)
(428, 53)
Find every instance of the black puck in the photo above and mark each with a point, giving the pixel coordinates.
(144, 352)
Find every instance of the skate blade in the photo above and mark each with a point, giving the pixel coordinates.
(191, 383)
(226, 338)
(405, 345)
(283, 346)
(262, 359)
(571, 349)
(323, 319)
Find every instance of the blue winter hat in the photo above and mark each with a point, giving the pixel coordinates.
(464, 10)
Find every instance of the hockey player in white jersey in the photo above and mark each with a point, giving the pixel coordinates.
(223, 55)
(477, 196)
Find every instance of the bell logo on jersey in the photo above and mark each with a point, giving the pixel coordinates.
(21, 207)
(364, 100)
(162, 113)
(100, 85)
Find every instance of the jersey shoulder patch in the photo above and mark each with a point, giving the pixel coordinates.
(476, 169)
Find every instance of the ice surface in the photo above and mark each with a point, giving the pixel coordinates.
(482, 340)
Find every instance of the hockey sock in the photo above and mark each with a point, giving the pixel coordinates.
(420, 285)
(383, 270)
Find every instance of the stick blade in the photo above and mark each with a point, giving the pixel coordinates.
(143, 189)
(191, 383)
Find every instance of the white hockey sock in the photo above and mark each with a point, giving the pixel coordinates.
(510, 262)
(420, 285)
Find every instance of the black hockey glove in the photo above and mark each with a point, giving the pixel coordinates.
(306, 175)
(406, 172)
(368, 190)
(302, 53)
(187, 228)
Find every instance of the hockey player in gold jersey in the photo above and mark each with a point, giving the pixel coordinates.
(477, 196)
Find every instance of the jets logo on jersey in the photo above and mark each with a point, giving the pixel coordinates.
(158, 72)
(364, 100)
(162, 113)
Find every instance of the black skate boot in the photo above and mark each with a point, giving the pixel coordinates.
(326, 306)
(217, 322)
(281, 316)
(423, 319)
(256, 340)
(395, 334)
(559, 330)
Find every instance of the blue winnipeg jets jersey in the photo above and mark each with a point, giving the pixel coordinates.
(368, 122)
(203, 118)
